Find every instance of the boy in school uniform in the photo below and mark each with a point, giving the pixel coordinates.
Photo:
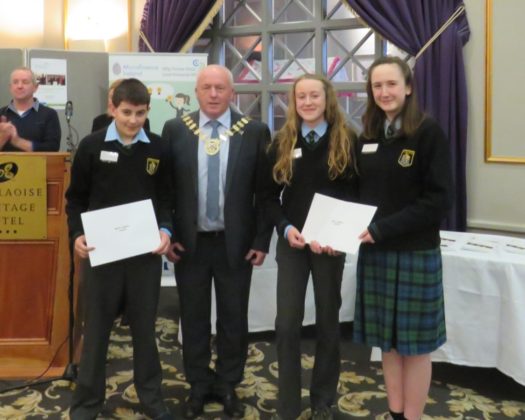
(117, 166)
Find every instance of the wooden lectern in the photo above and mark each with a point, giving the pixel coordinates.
(34, 285)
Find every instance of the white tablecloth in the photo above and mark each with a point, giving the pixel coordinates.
(262, 307)
(263, 297)
(484, 285)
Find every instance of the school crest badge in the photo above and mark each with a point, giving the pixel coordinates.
(152, 165)
(406, 158)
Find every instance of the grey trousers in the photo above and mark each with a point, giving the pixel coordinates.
(294, 269)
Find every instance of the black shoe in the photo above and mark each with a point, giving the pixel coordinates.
(232, 406)
(194, 407)
(323, 413)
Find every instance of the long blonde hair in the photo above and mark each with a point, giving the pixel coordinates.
(339, 153)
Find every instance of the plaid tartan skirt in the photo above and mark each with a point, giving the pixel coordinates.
(399, 301)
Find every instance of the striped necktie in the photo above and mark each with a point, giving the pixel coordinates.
(310, 137)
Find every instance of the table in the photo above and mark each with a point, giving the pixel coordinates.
(262, 307)
(484, 287)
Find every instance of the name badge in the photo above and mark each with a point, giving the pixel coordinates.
(106, 156)
(370, 148)
(297, 153)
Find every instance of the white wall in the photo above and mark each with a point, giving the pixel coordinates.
(495, 191)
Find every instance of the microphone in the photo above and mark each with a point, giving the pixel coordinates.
(69, 110)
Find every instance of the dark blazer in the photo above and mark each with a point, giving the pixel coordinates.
(244, 224)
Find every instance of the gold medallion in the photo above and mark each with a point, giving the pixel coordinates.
(212, 146)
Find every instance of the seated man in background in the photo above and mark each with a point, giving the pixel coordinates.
(25, 124)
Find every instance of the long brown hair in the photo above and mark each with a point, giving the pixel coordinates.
(374, 117)
(339, 153)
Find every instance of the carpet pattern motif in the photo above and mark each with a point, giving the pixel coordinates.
(361, 393)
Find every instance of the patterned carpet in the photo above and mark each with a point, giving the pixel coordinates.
(456, 392)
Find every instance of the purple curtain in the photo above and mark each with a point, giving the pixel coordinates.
(167, 24)
(439, 71)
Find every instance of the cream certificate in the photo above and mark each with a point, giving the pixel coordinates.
(337, 223)
(121, 231)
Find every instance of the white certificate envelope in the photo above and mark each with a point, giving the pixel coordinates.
(337, 223)
(121, 231)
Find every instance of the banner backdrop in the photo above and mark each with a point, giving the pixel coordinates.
(170, 78)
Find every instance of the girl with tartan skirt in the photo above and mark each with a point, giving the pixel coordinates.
(404, 170)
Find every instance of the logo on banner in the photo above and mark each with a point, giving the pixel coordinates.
(117, 69)
(8, 171)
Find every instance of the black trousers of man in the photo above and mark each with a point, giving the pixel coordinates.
(195, 275)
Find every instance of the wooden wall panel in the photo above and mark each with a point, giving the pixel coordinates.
(28, 270)
(34, 284)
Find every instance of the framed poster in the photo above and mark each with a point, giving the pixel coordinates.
(503, 90)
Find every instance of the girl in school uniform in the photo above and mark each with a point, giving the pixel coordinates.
(311, 154)
(404, 168)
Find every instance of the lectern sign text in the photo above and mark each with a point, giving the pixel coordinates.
(23, 197)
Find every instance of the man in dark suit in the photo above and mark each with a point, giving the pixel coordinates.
(219, 234)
